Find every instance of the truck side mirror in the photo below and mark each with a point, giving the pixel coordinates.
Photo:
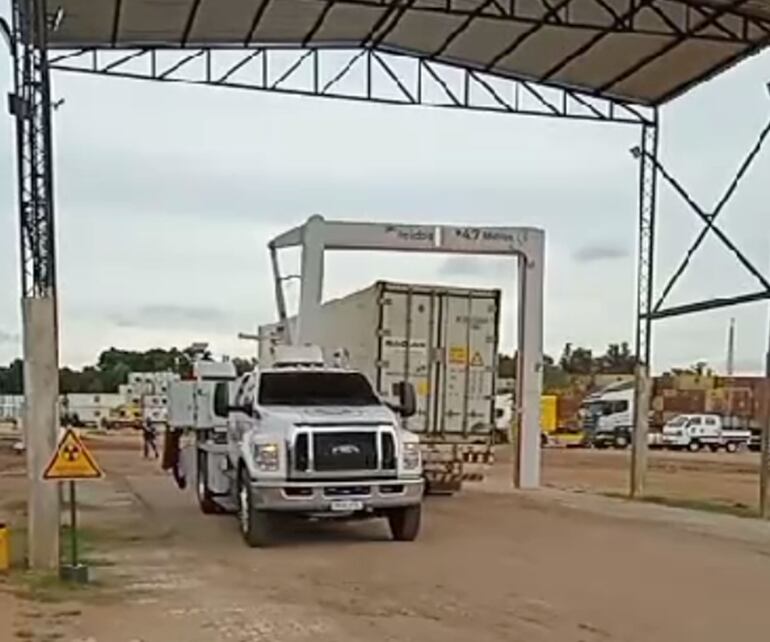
(407, 399)
(222, 399)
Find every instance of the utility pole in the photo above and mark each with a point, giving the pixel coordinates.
(764, 456)
(731, 348)
(641, 429)
(30, 105)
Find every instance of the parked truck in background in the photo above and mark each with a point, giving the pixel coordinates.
(694, 432)
(607, 417)
(444, 341)
(302, 438)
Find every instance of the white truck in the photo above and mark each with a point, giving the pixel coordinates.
(693, 432)
(305, 439)
(607, 417)
(442, 339)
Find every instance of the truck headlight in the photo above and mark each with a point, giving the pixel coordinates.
(411, 458)
(267, 457)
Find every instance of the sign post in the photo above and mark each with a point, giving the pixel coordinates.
(72, 462)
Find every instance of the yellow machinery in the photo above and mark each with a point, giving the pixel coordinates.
(5, 557)
(553, 434)
(548, 413)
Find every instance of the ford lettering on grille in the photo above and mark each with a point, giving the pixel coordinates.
(346, 449)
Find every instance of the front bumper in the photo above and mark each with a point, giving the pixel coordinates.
(674, 442)
(318, 497)
(604, 438)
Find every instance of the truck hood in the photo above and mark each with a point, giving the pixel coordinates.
(332, 415)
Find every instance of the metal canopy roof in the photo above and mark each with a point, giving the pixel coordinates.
(644, 51)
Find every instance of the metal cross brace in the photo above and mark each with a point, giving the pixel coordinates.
(709, 223)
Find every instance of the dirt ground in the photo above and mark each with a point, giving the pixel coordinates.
(725, 480)
(490, 565)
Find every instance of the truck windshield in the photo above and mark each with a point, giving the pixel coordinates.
(681, 420)
(315, 389)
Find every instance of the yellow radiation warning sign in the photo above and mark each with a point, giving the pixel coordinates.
(72, 460)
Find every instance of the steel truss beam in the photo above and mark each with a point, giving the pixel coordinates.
(30, 104)
(647, 157)
(648, 197)
(358, 74)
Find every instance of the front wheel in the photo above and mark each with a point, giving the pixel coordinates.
(694, 446)
(255, 524)
(731, 447)
(405, 523)
(621, 442)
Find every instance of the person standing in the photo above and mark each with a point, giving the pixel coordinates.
(149, 434)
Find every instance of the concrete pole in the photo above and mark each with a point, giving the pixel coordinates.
(764, 457)
(530, 384)
(639, 446)
(311, 289)
(41, 425)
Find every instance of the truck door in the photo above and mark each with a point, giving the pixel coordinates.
(466, 375)
(407, 339)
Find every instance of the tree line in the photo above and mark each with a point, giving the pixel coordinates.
(112, 368)
(616, 359)
(113, 365)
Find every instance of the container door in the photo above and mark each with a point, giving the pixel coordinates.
(407, 330)
(469, 342)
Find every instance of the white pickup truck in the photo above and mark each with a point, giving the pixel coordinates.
(309, 440)
(693, 432)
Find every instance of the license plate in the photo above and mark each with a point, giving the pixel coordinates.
(346, 505)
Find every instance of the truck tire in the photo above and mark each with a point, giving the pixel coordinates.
(205, 499)
(255, 524)
(693, 446)
(731, 447)
(405, 523)
(621, 442)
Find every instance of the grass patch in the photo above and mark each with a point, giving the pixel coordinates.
(88, 546)
(702, 505)
(47, 587)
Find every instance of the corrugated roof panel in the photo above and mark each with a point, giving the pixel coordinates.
(608, 58)
(546, 48)
(153, 21)
(232, 25)
(482, 41)
(342, 21)
(423, 32)
(286, 22)
(663, 75)
(86, 23)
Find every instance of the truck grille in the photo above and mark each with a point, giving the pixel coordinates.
(341, 451)
(346, 452)
(388, 450)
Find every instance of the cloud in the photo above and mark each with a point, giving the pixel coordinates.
(169, 315)
(600, 251)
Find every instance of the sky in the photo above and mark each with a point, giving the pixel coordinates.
(167, 195)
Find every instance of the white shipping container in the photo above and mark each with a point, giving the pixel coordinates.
(191, 403)
(11, 407)
(155, 401)
(444, 340)
(155, 415)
